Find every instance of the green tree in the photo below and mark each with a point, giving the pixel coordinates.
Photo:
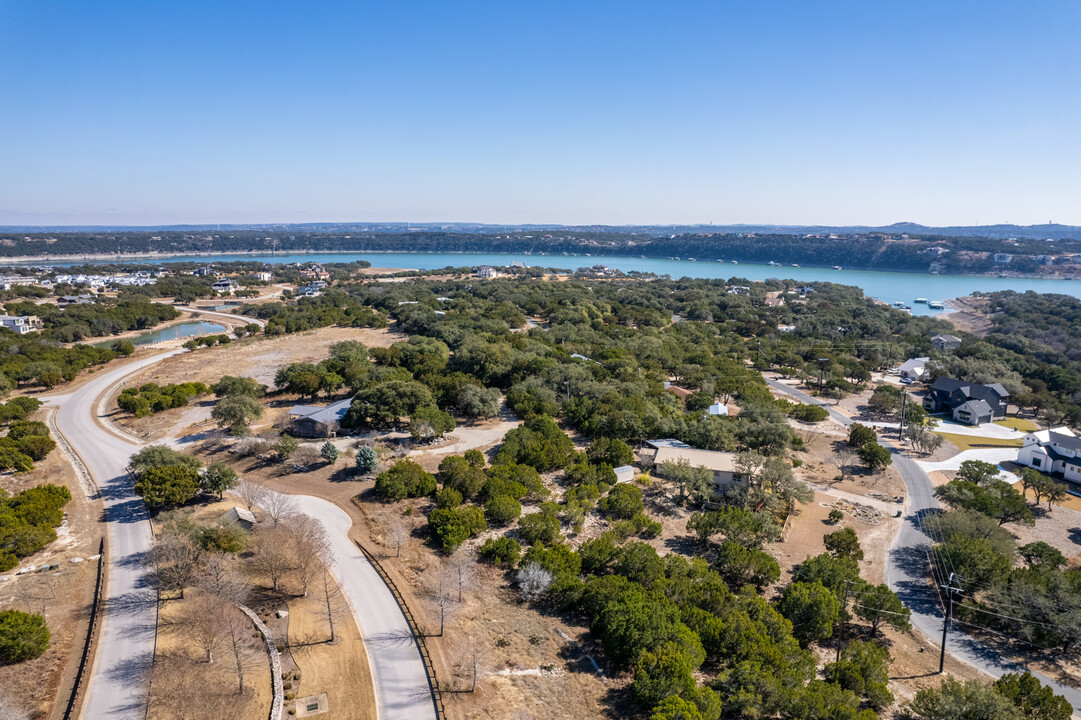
(502, 510)
(539, 527)
(812, 609)
(859, 435)
(161, 456)
(878, 604)
(623, 502)
(1033, 699)
(329, 451)
(956, 700)
(675, 708)
(366, 460)
(232, 386)
(219, 477)
(662, 673)
(844, 544)
(994, 498)
(690, 482)
(539, 443)
(167, 486)
(886, 399)
(977, 471)
(405, 479)
(501, 551)
(23, 636)
(450, 527)
(741, 566)
(237, 412)
(612, 451)
(863, 669)
(478, 402)
(875, 457)
(429, 423)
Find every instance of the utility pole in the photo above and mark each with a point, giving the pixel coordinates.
(904, 406)
(950, 590)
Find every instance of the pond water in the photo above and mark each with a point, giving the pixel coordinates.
(889, 287)
(180, 330)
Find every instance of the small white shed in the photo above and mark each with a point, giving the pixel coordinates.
(624, 473)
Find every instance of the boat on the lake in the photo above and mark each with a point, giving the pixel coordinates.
(921, 300)
(936, 305)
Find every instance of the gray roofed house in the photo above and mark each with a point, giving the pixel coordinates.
(318, 420)
(948, 394)
(973, 412)
(945, 342)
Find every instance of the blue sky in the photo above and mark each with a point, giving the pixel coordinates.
(565, 112)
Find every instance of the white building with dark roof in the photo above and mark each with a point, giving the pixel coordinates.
(1056, 452)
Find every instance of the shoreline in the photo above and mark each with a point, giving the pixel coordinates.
(143, 257)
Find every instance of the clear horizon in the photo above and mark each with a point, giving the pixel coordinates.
(136, 114)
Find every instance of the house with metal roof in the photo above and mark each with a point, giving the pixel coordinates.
(318, 420)
(1056, 451)
(721, 464)
(945, 342)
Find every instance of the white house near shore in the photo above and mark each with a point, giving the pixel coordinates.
(914, 369)
(1056, 452)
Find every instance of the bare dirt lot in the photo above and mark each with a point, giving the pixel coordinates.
(255, 358)
(63, 594)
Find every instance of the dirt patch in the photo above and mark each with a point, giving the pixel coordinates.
(251, 357)
(968, 314)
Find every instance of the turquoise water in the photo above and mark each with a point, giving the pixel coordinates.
(181, 330)
(886, 286)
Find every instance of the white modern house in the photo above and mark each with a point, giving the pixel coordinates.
(20, 324)
(717, 408)
(1056, 451)
(914, 369)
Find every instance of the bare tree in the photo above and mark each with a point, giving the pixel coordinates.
(460, 571)
(310, 547)
(202, 622)
(280, 506)
(222, 578)
(176, 681)
(846, 456)
(273, 557)
(251, 493)
(533, 581)
(242, 649)
(333, 606)
(443, 599)
(176, 560)
(399, 536)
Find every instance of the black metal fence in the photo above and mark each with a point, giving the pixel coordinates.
(91, 632)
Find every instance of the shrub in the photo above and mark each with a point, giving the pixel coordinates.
(809, 413)
(448, 497)
(501, 551)
(405, 479)
(167, 486)
(502, 510)
(450, 527)
(539, 527)
(624, 501)
(366, 460)
(22, 636)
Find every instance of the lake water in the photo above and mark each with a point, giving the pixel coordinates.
(886, 286)
(180, 330)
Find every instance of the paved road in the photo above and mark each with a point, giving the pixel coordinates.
(907, 573)
(401, 685)
(124, 652)
(125, 646)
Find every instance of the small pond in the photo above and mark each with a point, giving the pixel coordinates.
(180, 330)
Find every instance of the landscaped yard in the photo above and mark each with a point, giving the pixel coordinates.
(1016, 423)
(968, 442)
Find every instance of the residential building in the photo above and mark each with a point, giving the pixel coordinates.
(225, 285)
(264, 276)
(487, 271)
(21, 324)
(205, 271)
(315, 271)
(914, 369)
(65, 300)
(936, 251)
(1003, 258)
(1056, 451)
(945, 343)
(681, 393)
(318, 420)
(959, 399)
(774, 302)
(721, 464)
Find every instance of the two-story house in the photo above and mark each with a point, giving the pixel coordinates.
(1056, 451)
(967, 402)
(943, 343)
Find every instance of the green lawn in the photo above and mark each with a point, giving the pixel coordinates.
(1020, 423)
(968, 442)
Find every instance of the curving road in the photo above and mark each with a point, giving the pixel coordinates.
(907, 566)
(116, 688)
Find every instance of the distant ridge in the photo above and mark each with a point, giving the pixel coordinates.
(1029, 232)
